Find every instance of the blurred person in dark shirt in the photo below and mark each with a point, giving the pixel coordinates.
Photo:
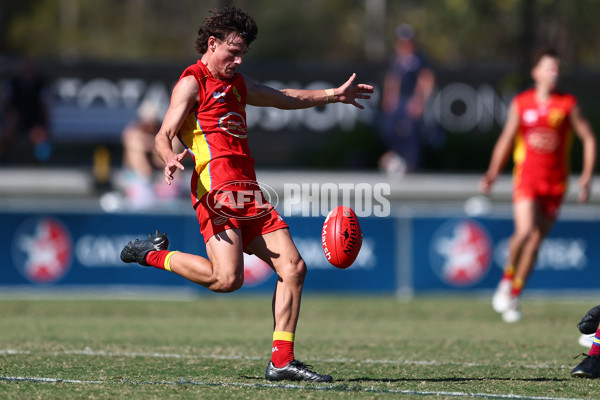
(407, 86)
(25, 135)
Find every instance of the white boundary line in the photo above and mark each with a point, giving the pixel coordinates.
(101, 353)
(332, 388)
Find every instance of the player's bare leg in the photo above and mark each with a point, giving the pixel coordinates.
(278, 250)
(222, 272)
(525, 220)
(529, 253)
(531, 227)
(524, 223)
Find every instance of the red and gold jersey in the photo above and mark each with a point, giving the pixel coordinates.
(215, 134)
(543, 143)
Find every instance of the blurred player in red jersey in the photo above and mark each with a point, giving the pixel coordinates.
(207, 113)
(539, 125)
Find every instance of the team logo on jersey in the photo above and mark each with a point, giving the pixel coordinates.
(42, 250)
(234, 124)
(460, 253)
(237, 94)
(543, 140)
(556, 117)
(530, 117)
(220, 220)
(256, 271)
(220, 96)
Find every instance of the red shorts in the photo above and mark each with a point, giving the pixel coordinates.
(237, 210)
(549, 202)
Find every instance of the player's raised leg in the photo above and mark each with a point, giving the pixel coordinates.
(225, 270)
(278, 250)
(222, 272)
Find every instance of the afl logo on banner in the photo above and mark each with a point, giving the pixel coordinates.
(256, 271)
(42, 249)
(460, 252)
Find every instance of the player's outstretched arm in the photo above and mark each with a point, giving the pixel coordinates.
(501, 150)
(584, 132)
(183, 98)
(291, 99)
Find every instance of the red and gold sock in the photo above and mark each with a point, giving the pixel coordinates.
(509, 273)
(595, 350)
(517, 287)
(283, 348)
(160, 259)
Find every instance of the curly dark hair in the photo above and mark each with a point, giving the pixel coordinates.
(221, 23)
(542, 52)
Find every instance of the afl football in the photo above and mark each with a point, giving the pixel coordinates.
(341, 237)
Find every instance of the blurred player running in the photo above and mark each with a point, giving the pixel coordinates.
(539, 124)
(207, 113)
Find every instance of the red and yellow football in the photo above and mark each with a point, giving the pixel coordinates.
(341, 237)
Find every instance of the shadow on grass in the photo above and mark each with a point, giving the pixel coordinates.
(397, 380)
(389, 380)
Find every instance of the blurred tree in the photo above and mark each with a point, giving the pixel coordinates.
(8, 9)
(465, 31)
(453, 31)
(110, 29)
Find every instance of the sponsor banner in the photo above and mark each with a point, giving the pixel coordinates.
(462, 254)
(63, 250)
(82, 249)
(458, 254)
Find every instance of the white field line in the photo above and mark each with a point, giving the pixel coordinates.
(89, 352)
(328, 388)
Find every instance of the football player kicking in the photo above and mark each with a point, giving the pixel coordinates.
(589, 367)
(207, 114)
(539, 125)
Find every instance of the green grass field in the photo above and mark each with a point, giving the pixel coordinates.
(218, 347)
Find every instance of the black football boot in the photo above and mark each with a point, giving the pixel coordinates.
(295, 371)
(588, 368)
(136, 251)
